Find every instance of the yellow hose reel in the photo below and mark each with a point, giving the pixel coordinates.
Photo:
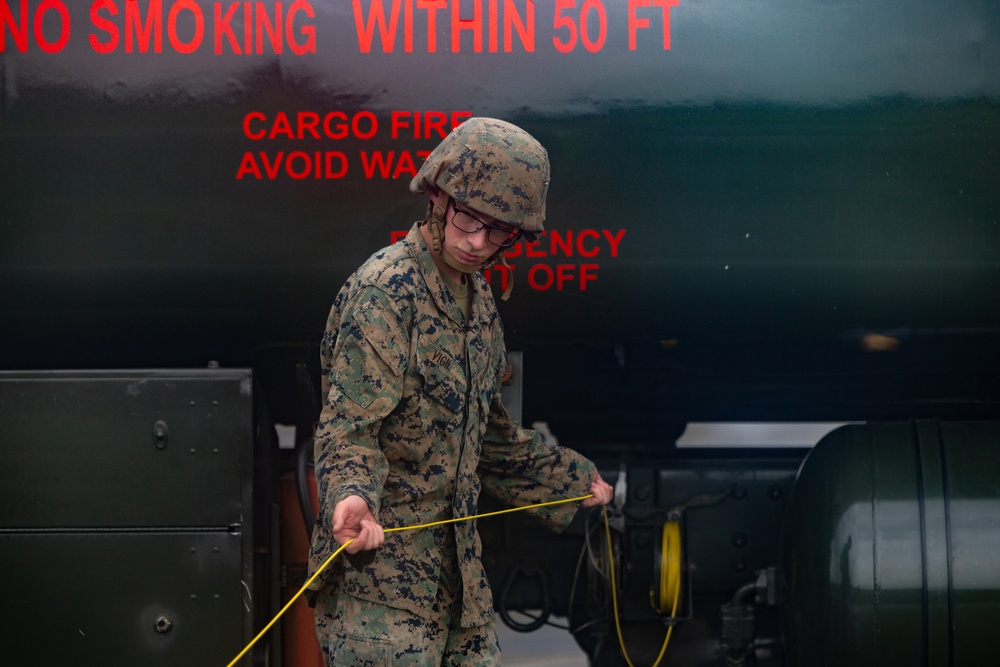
(666, 592)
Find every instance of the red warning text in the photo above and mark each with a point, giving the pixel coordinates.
(499, 25)
(303, 125)
(393, 24)
(153, 26)
(244, 27)
(558, 243)
(317, 128)
(563, 245)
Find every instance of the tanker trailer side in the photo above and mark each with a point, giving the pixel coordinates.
(781, 212)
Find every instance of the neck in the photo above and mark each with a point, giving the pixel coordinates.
(446, 269)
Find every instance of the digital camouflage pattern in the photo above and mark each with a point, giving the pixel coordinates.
(413, 423)
(492, 167)
(353, 632)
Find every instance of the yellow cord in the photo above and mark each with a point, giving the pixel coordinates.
(673, 575)
(389, 530)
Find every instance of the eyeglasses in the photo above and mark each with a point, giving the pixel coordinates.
(470, 224)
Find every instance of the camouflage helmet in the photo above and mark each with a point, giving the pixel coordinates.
(494, 168)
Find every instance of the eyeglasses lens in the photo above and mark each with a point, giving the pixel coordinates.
(495, 235)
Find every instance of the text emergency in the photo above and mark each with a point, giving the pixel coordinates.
(589, 244)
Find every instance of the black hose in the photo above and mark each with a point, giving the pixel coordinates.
(536, 621)
(302, 455)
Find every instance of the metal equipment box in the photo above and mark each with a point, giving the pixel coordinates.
(126, 517)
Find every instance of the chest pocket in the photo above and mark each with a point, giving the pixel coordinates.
(444, 379)
(487, 366)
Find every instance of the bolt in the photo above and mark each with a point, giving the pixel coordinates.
(163, 624)
(739, 540)
(160, 434)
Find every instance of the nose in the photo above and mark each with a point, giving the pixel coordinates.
(478, 239)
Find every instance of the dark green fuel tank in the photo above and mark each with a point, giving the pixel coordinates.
(891, 545)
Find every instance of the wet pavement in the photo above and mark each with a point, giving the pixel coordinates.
(545, 647)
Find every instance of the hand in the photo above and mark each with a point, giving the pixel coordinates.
(352, 520)
(601, 492)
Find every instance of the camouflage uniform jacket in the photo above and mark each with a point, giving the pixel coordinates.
(412, 422)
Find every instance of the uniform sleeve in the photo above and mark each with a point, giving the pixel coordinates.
(364, 376)
(518, 468)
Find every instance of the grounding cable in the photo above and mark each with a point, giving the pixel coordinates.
(336, 553)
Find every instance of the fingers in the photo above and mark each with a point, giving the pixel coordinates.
(353, 521)
(348, 513)
(605, 491)
(601, 492)
(371, 536)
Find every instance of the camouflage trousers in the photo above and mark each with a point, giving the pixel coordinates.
(357, 633)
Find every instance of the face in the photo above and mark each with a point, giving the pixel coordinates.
(469, 248)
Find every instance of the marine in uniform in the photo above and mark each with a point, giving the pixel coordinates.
(413, 427)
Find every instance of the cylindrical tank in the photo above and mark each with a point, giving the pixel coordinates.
(890, 547)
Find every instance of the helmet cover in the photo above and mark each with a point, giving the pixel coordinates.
(492, 167)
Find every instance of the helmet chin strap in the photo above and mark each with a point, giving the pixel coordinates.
(499, 258)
